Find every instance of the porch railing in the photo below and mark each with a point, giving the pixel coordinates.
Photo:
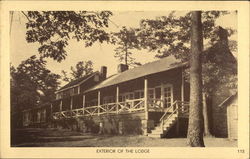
(128, 106)
(181, 108)
(155, 104)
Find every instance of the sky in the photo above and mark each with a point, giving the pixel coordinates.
(99, 54)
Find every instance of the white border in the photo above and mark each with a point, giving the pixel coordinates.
(155, 152)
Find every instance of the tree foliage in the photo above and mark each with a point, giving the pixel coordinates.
(170, 35)
(81, 69)
(53, 29)
(126, 40)
(219, 66)
(32, 83)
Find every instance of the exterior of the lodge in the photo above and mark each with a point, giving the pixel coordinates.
(131, 101)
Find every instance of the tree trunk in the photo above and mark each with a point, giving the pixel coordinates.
(207, 132)
(195, 125)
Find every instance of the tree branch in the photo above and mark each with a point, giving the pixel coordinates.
(26, 16)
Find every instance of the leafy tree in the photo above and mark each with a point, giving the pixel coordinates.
(53, 29)
(81, 69)
(126, 39)
(171, 35)
(32, 84)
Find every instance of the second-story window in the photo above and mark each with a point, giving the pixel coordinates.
(75, 90)
(59, 95)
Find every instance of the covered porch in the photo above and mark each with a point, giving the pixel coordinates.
(160, 92)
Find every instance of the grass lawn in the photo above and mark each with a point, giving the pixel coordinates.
(67, 138)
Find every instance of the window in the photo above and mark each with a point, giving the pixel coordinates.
(93, 102)
(126, 96)
(158, 92)
(59, 95)
(139, 94)
(151, 93)
(108, 99)
(75, 90)
(167, 93)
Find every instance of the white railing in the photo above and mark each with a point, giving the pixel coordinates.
(178, 107)
(109, 108)
(155, 104)
(128, 106)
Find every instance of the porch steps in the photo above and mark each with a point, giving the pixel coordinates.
(158, 132)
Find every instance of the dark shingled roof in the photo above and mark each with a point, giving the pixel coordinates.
(77, 81)
(164, 64)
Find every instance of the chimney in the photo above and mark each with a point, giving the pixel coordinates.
(121, 68)
(223, 35)
(103, 72)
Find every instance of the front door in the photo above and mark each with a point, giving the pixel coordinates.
(167, 96)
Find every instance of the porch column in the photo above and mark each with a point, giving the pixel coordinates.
(146, 105)
(117, 99)
(51, 111)
(71, 103)
(60, 107)
(182, 88)
(83, 102)
(146, 98)
(99, 102)
(51, 108)
(162, 96)
(182, 85)
(78, 90)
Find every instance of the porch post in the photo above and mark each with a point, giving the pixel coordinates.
(182, 85)
(51, 111)
(51, 108)
(146, 98)
(182, 89)
(99, 102)
(71, 103)
(162, 96)
(146, 105)
(78, 90)
(117, 99)
(83, 102)
(60, 108)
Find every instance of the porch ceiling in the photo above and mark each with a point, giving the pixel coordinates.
(164, 64)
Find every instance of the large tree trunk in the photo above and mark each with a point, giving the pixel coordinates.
(195, 125)
(207, 132)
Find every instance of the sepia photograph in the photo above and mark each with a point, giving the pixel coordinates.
(124, 81)
(149, 93)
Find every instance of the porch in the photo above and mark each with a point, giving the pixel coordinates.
(158, 92)
(149, 104)
(129, 106)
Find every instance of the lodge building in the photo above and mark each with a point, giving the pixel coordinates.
(144, 100)
(152, 99)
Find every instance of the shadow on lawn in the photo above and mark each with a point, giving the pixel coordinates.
(34, 137)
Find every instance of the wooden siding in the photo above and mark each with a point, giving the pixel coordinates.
(37, 116)
(232, 120)
(219, 114)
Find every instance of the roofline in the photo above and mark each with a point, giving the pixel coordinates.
(61, 90)
(227, 99)
(182, 65)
